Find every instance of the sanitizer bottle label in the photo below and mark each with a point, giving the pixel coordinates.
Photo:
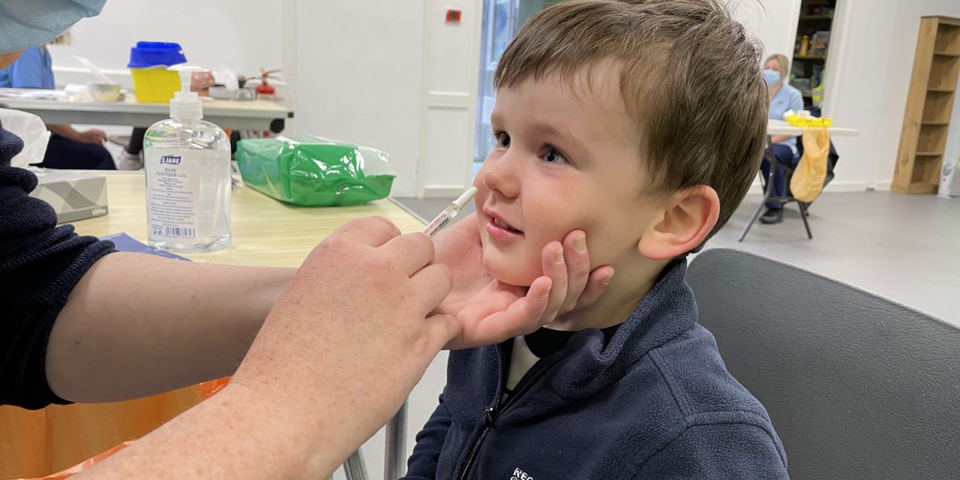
(173, 194)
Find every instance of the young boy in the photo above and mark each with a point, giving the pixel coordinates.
(641, 123)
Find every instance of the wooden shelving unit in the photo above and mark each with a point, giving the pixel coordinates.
(808, 70)
(926, 122)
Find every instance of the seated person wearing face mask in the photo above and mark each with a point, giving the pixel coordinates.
(68, 148)
(783, 97)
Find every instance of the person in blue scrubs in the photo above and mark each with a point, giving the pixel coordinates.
(783, 97)
(67, 148)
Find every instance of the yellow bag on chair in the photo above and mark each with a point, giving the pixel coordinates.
(807, 181)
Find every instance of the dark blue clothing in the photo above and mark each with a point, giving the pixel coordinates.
(785, 157)
(40, 264)
(654, 402)
(32, 70)
(65, 153)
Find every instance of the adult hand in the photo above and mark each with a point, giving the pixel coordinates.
(353, 327)
(94, 136)
(491, 311)
(342, 347)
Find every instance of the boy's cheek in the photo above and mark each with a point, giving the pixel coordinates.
(513, 268)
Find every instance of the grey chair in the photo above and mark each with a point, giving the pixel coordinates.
(857, 386)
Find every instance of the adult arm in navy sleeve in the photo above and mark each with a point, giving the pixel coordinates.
(39, 266)
(422, 465)
(81, 325)
(718, 451)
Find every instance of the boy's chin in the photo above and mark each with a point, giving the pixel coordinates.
(508, 270)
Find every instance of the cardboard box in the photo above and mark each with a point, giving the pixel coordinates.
(74, 196)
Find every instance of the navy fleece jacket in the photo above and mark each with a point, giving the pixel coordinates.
(40, 264)
(656, 402)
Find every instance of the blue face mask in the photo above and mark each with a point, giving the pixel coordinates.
(29, 23)
(771, 77)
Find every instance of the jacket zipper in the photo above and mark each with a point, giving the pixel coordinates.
(489, 412)
(493, 413)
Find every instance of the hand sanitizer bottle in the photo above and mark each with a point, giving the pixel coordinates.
(187, 166)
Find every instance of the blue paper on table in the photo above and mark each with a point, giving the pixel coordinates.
(126, 243)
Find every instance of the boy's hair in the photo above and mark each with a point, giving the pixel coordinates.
(690, 77)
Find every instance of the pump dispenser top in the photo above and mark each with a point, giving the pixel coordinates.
(186, 105)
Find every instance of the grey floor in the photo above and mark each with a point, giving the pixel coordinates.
(906, 248)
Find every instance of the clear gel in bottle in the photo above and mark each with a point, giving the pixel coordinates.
(187, 169)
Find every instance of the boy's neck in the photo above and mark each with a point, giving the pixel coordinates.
(616, 304)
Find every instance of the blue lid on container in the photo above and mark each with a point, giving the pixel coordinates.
(151, 54)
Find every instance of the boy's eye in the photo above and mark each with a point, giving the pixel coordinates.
(554, 156)
(503, 140)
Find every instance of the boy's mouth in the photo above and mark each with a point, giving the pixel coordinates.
(502, 230)
(500, 223)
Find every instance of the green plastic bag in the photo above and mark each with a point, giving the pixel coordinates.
(314, 171)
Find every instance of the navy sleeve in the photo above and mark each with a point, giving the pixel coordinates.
(40, 264)
(423, 463)
(717, 451)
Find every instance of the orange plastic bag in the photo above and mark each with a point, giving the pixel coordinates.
(807, 181)
(61, 475)
(209, 389)
(35, 442)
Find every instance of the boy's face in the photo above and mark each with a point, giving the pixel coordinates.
(567, 157)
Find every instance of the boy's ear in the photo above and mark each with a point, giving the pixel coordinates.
(688, 217)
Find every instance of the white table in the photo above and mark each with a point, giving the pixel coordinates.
(230, 114)
(780, 127)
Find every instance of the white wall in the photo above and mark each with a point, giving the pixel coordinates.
(359, 75)
(240, 34)
(867, 79)
(358, 65)
(772, 21)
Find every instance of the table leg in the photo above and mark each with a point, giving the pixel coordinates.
(767, 193)
(396, 448)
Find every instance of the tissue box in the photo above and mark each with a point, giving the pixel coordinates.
(74, 196)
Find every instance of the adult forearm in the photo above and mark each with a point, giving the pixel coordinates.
(779, 138)
(238, 434)
(65, 131)
(137, 325)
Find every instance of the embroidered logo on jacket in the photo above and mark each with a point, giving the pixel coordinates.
(520, 475)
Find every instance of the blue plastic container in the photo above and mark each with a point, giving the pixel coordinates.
(152, 54)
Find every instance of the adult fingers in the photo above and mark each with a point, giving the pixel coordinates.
(411, 252)
(372, 231)
(432, 285)
(441, 329)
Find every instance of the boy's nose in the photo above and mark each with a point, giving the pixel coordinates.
(500, 175)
